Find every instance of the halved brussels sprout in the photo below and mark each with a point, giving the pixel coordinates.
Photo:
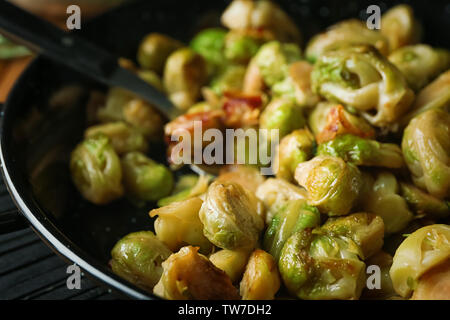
(420, 63)
(261, 14)
(366, 229)
(231, 79)
(242, 44)
(291, 216)
(185, 73)
(317, 266)
(421, 251)
(295, 148)
(178, 225)
(230, 216)
(137, 258)
(187, 187)
(423, 203)
(261, 279)
(426, 149)
(297, 85)
(233, 262)
(283, 115)
(435, 284)
(339, 122)
(400, 27)
(344, 34)
(275, 192)
(273, 60)
(123, 137)
(189, 275)
(154, 50)
(363, 152)
(384, 200)
(247, 176)
(145, 179)
(333, 185)
(210, 44)
(361, 77)
(96, 171)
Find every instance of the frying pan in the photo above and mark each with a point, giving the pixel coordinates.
(45, 115)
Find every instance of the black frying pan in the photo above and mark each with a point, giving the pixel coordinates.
(45, 115)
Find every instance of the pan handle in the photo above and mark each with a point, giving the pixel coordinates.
(10, 218)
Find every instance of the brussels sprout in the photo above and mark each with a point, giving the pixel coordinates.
(400, 27)
(248, 177)
(243, 14)
(96, 171)
(284, 115)
(366, 229)
(273, 60)
(178, 225)
(188, 186)
(144, 179)
(123, 137)
(261, 279)
(154, 50)
(382, 260)
(384, 200)
(233, 262)
(297, 85)
(242, 44)
(333, 185)
(184, 75)
(231, 79)
(291, 216)
(275, 192)
(424, 204)
(230, 216)
(419, 252)
(344, 34)
(210, 44)
(434, 96)
(116, 100)
(189, 275)
(339, 122)
(138, 257)
(360, 77)
(316, 266)
(426, 149)
(318, 118)
(363, 152)
(435, 284)
(145, 118)
(295, 148)
(420, 63)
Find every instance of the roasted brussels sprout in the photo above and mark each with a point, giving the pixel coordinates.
(190, 275)
(318, 117)
(421, 251)
(400, 27)
(273, 60)
(366, 229)
(210, 44)
(360, 77)
(116, 100)
(291, 216)
(384, 200)
(233, 262)
(154, 50)
(426, 149)
(123, 137)
(339, 122)
(283, 115)
(243, 14)
(317, 266)
(333, 185)
(230, 216)
(261, 279)
(363, 152)
(188, 186)
(295, 148)
(435, 284)
(423, 203)
(96, 171)
(242, 44)
(420, 63)
(144, 179)
(231, 79)
(178, 225)
(138, 257)
(184, 75)
(344, 34)
(247, 176)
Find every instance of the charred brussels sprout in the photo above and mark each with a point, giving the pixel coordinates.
(96, 171)
(144, 179)
(333, 185)
(138, 257)
(426, 148)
